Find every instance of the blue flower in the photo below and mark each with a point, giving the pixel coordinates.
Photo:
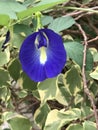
(42, 55)
(5, 43)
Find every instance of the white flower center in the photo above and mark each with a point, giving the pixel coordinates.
(43, 55)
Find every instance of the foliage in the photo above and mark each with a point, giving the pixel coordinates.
(57, 103)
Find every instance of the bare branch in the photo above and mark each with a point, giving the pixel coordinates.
(86, 90)
(92, 40)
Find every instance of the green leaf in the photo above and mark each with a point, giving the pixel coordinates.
(73, 81)
(4, 94)
(56, 119)
(88, 125)
(10, 8)
(96, 57)
(19, 123)
(4, 19)
(4, 77)
(16, 121)
(4, 55)
(43, 5)
(26, 83)
(17, 40)
(20, 32)
(52, 121)
(63, 96)
(47, 89)
(46, 20)
(22, 28)
(36, 94)
(94, 74)
(93, 88)
(86, 111)
(22, 93)
(75, 52)
(41, 115)
(75, 127)
(8, 115)
(78, 99)
(61, 23)
(14, 69)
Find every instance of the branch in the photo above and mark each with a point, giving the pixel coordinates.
(88, 116)
(86, 90)
(81, 11)
(92, 40)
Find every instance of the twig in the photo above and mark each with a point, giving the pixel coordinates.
(88, 13)
(79, 14)
(76, 3)
(83, 14)
(92, 40)
(86, 90)
(73, 13)
(88, 116)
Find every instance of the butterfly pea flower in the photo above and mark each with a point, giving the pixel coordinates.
(42, 55)
(5, 43)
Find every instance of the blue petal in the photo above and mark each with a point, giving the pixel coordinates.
(29, 58)
(56, 54)
(4, 45)
(30, 55)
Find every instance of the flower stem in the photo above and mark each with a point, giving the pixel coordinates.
(38, 20)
